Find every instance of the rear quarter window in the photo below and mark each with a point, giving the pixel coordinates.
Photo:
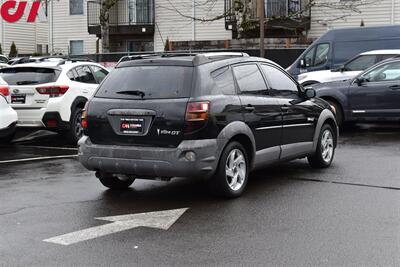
(224, 82)
(147, 82)
(29, 75)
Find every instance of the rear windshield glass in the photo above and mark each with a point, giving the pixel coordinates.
(29, 75)
(147, 82)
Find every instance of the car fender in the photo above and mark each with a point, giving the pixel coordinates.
(325, 115)
(336, 95)
(234, 129)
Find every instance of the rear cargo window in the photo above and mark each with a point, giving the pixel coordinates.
(147, 82)
(29, 75)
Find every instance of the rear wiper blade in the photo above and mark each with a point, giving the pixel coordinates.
(27, 82)
(132, 92)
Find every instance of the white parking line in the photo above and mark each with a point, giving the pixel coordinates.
(38, 159)
(52, 147)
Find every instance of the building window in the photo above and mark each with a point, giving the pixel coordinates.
(76, 47)
(76, 7)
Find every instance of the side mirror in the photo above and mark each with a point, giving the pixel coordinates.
(359, 81)
(310, 92)
(341, 68)
(302, 63)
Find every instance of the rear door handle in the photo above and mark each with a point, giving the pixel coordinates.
(249, 108)
(395, 87)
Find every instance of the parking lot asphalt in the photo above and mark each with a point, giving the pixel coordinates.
(290, 214)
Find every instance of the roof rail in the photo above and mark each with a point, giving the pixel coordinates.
(73, 60)
(199, 57)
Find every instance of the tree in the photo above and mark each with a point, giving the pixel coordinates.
(105, 6)
(245, 18)
(13, 51)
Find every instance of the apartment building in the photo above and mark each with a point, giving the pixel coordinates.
(68, 32)
(373, 13)
(146, 25)
(29, 38)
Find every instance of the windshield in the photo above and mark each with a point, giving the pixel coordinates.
(147, 82)
(29, 75)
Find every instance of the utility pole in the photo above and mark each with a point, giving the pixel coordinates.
(261, 16)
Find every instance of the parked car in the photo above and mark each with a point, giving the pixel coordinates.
(337, 46)
(8, 117)
(38, 59)
(349, 70)
(374, 95)
(3, 59)
(53, 94)
(213, 116)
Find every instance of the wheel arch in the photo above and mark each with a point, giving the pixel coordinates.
(337, 101)
(240, 132)
(326, 116)
(309, 83)
(79, 102)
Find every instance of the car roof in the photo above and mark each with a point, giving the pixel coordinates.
(190, 60)
(382, 52)
(54, 64)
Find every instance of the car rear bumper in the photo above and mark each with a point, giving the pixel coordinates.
(151, 162)
(30, 117)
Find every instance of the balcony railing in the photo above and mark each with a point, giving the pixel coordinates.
(273, 9)
(124, 13)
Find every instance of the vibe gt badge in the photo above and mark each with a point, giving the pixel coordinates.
(167, 132)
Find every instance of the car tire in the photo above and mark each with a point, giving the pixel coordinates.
(114, 181)
(75, 131)
(339, 112)
(232, 173)
(325, 152)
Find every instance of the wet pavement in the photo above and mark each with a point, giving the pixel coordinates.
(290, 215)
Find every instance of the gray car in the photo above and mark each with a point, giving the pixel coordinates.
(374, 95)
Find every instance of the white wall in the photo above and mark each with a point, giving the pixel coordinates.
(374, 14)
(68, 27)
(25, 35)
(170, 24)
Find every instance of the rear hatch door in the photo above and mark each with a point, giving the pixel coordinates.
(141, 105)
(23, 82)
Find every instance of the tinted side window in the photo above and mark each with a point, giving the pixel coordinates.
(279, 82)
(309, 57)
(249, 78)
(321, 55)
(361, 63)
(224, 81)
(384, 73)
(71, 75)
(85, 75)
(99, 73)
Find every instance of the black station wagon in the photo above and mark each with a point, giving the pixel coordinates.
(213, 116)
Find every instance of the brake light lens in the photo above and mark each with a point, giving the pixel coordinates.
(196, 116)
(52, 90)
(4, 90)
(84, 121)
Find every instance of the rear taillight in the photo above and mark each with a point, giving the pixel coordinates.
(196, 116)
(52, 90)
(84, 121)
(4, 90)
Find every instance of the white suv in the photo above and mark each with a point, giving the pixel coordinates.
(349, 70)
(8, 116)
(53, 94)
